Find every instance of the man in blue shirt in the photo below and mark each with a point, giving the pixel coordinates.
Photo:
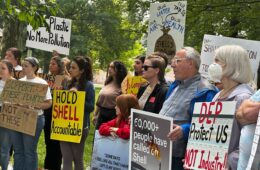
(189, 87)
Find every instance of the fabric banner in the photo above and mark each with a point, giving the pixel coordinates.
(67, 115)
(150, 148)
(109, 153)
(209, 135)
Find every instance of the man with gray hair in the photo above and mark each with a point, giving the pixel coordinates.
(187, 89)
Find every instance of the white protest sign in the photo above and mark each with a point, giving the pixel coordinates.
(211, 43)
(209, 135)
(150, 148)
(166, 27)
(109, 153)
(57, 39)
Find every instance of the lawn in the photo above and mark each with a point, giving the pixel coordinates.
(87, 150)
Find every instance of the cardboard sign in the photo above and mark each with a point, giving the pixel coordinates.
(131, 84)
(24, 93)
(109, 153)
(57, 39)
(150, 148)
(67, 115)
(209, 135)
(55, 81)
(166, 27)
(211, 43)
(18, 118)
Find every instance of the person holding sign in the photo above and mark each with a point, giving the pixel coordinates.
(25, 146)
(6, 69)
(188, 88)
(56, 79)
(120, 127)
(106, 102)
(81, 80)
(152, 95)
(235, 74)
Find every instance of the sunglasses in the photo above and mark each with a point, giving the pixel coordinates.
(145, 67)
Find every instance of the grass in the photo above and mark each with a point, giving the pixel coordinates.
(87, 150)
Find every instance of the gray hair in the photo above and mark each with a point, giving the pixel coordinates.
(236, 63)
(194, 55)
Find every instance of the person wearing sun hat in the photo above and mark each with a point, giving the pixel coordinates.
(25, 146)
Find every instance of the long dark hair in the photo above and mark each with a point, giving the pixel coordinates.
(60, 64)
(121, 73)
(17, 54)
(85, 64)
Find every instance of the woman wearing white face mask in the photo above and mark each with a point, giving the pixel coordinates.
(215, 74)
(235, 74)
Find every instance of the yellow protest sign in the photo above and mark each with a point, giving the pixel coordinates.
(131, 84)
(67, 115)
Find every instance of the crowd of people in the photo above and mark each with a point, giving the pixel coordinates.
(230, 79)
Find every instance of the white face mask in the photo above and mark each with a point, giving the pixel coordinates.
(215, 72)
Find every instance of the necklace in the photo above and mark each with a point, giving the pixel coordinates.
(224, 93)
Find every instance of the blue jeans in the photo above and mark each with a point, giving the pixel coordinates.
(25, 147)
(5, 145)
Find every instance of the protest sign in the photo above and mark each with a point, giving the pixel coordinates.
(24, 93)
(18, 118)
(131, 84)
(109, 153)
(67, 115)
(211, 43)
(55, 81)
(57, 39)
(149, 146)
(254, 161)
(209, 135)
(166, 27)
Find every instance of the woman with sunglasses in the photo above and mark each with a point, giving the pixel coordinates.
(152, 95)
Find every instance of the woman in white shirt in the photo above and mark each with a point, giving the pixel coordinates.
(25, 146)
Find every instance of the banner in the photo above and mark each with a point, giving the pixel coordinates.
(254, 161)
(150, 148)
(67, 115)
(109, 153)
(211, 43)
(57, 39)
(24, 93)
(131, 84)
(18, 118)
(166, 27)
(209, 135)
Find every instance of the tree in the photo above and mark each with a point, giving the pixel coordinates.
(231, 18)
(16, 14)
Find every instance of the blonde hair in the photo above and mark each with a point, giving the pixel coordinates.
(236, 62)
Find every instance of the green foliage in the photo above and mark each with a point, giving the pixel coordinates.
(102, 30)
(33, 12)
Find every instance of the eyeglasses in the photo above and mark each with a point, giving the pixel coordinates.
(178, 60)
(145, 67)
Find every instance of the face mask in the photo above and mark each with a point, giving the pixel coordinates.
(215, 72)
